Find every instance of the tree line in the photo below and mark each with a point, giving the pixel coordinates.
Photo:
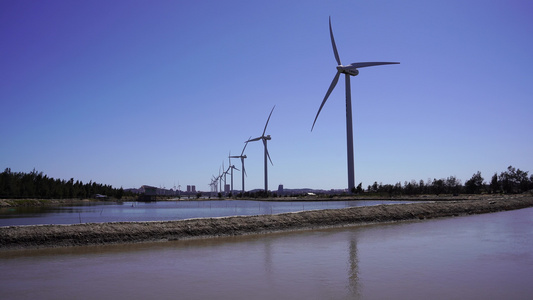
(15, 185)
(511, 181)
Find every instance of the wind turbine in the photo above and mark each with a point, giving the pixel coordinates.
(348, 70)
(265, 138)
(219, 178)
(214, 184)
(231, 167)
(242, 157)
(224, 173)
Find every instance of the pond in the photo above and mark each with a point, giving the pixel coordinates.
(485, 256)
(100, 212)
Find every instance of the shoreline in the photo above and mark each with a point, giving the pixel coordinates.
(46, 236)
(31, 202)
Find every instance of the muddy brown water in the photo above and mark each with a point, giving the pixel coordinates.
(486, 256)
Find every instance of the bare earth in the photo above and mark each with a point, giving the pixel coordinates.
(39, 236)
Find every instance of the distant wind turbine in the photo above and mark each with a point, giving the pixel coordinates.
(214, 184)
(231, 167)
(265, 138)
(242, 157)
(224, 173)
(348, 70)
(220, 179)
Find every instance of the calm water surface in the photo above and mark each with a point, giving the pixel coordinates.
(99, 212)
(486, 256)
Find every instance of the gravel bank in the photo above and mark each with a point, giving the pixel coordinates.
(37, 236)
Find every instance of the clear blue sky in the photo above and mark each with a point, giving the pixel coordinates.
(159, 92)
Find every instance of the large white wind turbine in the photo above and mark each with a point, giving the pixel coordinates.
(265, 138)
(348, 70)
(242, 157)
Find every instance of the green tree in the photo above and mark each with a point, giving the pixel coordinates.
(408, 188)
(514, 180)
(474, 184)
(452, 185)
(421, 187)
(120, 193)
(494, 184)
(35, 185)
(438, 186)
(374, 187)
(359, 188)
(6, 183)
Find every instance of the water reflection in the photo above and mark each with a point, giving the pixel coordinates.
(280, 265)
(475, 257)
(353, 269)
(268, 259)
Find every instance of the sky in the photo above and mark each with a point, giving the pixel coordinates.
(132, 93)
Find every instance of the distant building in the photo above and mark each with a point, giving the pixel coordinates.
(148, 193)
(191, 188)
(280, 190)
(148, 190)
(226, 188)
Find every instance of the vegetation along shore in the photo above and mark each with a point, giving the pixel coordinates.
(36, 185)
(39, 236)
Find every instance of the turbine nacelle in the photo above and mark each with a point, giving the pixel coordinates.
(349, 69)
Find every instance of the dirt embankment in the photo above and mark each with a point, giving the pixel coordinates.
(14, 237)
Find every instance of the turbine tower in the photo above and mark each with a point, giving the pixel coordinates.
(220, 179)
(224, 173)
(214, 184)
(231, 167)
(242, 157)
(265, 138)
(348, 70)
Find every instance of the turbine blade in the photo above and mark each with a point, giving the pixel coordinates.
(266, 150)
(333, 44)
(246, 144)
(331, 87)
(268, 120)
(253, 140)
(371, 64)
